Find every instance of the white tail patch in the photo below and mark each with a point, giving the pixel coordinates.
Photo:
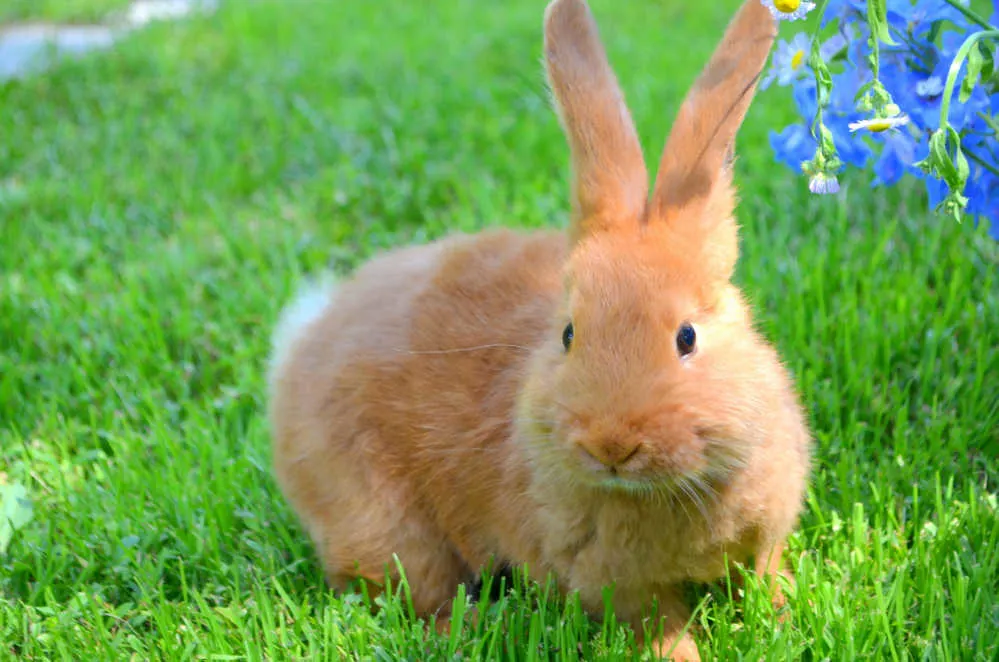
(308, 305)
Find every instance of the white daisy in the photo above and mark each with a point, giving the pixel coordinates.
(879, 124)
(788, 61)
(788, 10)
(823, 184)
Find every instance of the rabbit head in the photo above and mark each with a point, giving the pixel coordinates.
(652, 373)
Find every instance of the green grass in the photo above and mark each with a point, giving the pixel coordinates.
(159, 203)
(71, 11)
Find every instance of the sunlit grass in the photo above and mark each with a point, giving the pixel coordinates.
(159, 203)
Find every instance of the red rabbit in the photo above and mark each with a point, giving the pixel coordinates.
(594, 404)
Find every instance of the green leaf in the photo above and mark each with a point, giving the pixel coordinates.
(877, 19)
(953, 170)
(863, 91)
(992, 122)
(826, 141)
(823, 78)
(957, 169)
(953, 205)
(15, 512)
(990, 74)
(976, 64)
(963, 170)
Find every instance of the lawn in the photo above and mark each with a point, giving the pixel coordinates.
(159, 202)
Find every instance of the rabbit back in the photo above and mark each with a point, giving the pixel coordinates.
(392, 398)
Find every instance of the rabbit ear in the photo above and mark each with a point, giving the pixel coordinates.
(695, 170)
(610, 181)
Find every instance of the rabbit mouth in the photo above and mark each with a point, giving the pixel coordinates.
(721, 459)
(617, 482)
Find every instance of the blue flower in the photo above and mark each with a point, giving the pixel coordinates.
(936, 191)
(918, 18)
(796, 140)
(983, 200)
(984, 204)
(982, 189)
(914, 72)
(793, 145)
(919, 92)
(897, 158)
(902, 15)
(804, 97)
(842, 112)
(838, 10)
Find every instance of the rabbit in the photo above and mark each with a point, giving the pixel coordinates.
(592, 404)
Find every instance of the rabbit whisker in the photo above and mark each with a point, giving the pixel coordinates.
(459, 350)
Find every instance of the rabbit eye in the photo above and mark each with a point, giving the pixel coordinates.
(686, 339)
(567, 336)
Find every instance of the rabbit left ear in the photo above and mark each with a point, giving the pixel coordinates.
(610, 181)
(695, 171)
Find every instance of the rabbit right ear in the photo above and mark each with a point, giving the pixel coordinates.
(696, 162)
(610, 181)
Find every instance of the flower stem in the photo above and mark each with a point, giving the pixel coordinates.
(821, 9)
(955, 69)
(991, 121)
(980, 161)
(921, 52)
(970, 15)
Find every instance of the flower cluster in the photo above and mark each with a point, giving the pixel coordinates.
(902, 86)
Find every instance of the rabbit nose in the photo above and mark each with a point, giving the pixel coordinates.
(611, 454)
